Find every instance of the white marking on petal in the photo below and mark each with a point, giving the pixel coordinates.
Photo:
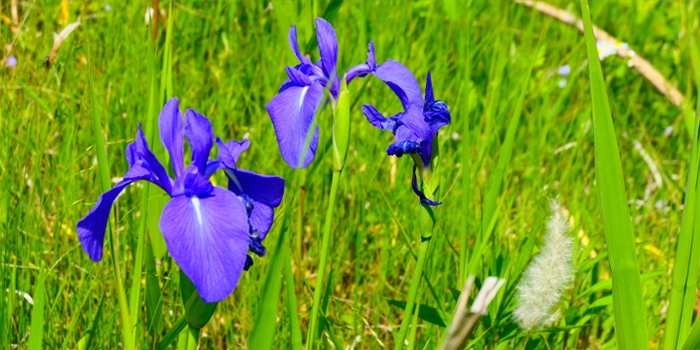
(197, 209)
(301, 99)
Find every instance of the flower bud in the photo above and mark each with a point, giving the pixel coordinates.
(197, 312)
(341, 128)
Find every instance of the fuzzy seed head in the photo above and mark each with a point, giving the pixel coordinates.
(547, 277)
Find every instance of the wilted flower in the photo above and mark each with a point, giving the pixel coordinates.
(208, 229)
(547, 277)
(465, 321)
(293, 109)
(417, 126)
(59, 39)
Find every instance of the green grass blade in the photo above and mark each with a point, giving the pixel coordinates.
(295, 329)
(506, 151)
(172, 333)
(630, 327)
(135, 294)
(154, 298)
(36, 330)
(103, 165)
(466, 161)
(88, 339)
(685, 270)
(262, 336)
(693, 340)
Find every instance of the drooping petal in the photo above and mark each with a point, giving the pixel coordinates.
(266, 191)
(327, 47)
(363, 69)
(293, 43)
(292, 113)
(91, 228)
(377, 119)
(414, 120)
(230, 151)
(200, 135)
(170, 126)
(208, 238)
(421, 195)
(402, 82)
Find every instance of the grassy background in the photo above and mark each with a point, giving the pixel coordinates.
(228, 61)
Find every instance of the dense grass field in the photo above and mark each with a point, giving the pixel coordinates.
(227, 61)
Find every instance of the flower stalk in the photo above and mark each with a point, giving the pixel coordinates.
(430, 182)
(341, 137)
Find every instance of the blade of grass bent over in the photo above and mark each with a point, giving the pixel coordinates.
(630, 327)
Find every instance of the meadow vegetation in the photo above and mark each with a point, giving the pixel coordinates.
(517, 140)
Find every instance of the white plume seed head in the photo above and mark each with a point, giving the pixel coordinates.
(548, 276)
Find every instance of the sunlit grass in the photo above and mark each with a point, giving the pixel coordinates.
(228, 60)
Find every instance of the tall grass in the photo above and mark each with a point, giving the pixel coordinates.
(630, 326)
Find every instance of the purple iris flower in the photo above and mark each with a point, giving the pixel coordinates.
(417, 126)
(293, 109)
(208, 229)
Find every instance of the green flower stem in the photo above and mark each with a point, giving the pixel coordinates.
(415, 282)
(427, 224)
(318, 289)
(100, 150)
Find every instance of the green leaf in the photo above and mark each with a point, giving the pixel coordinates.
(693, 340)
(630, 328)
(86, 341)
(426, 313)
(262, 336)
(687, 262)
(36, 330)
(172, 333)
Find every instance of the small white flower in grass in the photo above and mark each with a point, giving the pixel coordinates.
(564, 70)
(605, 49)
(669, 130)
(547, 277)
